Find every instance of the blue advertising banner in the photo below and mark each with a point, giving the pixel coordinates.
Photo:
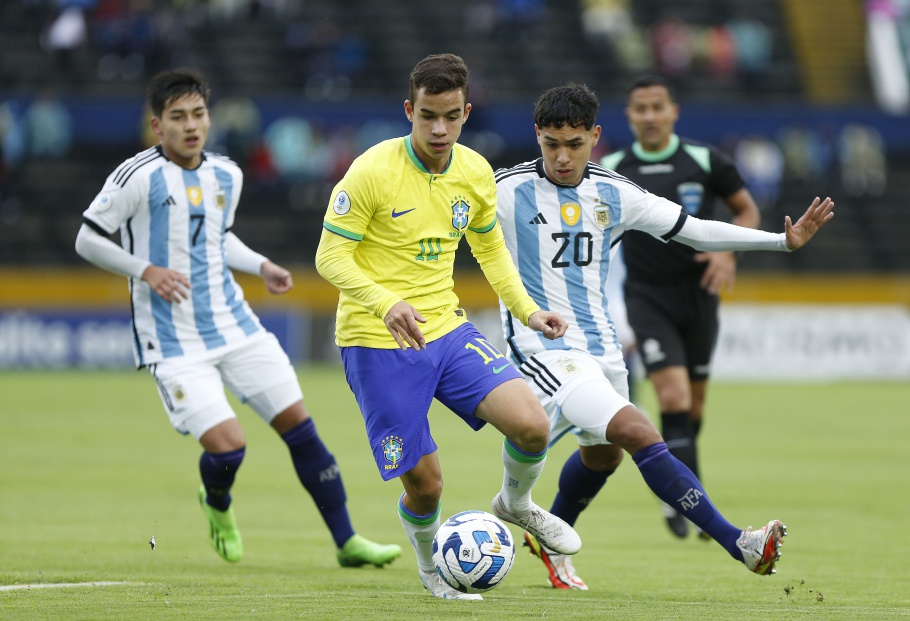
(101, 339)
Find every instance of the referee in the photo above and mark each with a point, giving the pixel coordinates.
(671, 289)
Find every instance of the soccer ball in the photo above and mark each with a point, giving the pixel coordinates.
(473, 551)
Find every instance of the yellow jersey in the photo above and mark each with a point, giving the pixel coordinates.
(391, 231)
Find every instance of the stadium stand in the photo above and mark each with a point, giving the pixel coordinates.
(335, 73)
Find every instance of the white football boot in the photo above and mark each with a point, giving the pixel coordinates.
(440, 589)
(550, 530)
(761, 548)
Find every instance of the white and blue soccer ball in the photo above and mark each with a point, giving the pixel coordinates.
(473, 551)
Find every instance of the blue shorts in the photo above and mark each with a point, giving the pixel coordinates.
(394, 389)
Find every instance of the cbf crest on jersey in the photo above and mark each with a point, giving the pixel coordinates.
(570, 212)
(392, 450)
(460, 210)
(691, 195)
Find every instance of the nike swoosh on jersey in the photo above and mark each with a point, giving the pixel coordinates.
(395, 214)
(498, 370)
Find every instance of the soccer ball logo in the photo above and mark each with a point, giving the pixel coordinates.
(473, 551)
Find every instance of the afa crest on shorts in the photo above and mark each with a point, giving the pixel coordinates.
(460, 210)
(392, 450)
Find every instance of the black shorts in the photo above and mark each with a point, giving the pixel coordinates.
(674, 325)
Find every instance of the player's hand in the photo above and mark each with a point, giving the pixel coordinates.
(401, 322)
(720, 273)
(170, 285)
(277, 279)
(549, 323)
(818, 215)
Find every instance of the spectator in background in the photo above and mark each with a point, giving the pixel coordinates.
(807, 157)
(297, 149)
(863, 164)
(13, 137)
(753, 44)
(672, 289)
(522, 18)
(48, 128)
(237, 126)
(65, 36)
(721, 52)
(761, 163)
(672, 47)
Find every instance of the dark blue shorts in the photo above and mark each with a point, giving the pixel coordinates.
(394, 389)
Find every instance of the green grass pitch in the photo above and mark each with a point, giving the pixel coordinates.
(90, 470)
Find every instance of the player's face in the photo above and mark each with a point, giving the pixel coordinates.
(566, 151)
(437, 122)
(652, 116)
(183, 127)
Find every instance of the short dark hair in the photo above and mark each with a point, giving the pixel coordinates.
(647, 81)
(571, 104)
(168, 86)
(439, 73)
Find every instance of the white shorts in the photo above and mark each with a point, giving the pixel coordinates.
(258, 372)
(554, 375)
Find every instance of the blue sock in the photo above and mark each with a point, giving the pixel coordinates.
(678, 487)
(218, 471)
(578, 485)
(319, 474)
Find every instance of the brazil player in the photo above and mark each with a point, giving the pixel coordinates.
(672, 289)
(561, 215)
(389, 239)
(174, 205)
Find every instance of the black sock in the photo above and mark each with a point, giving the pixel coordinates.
(679, 438)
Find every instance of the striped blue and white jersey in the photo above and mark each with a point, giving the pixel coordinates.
(560, 239)
(177, 218)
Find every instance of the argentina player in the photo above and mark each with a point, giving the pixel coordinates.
(174, 205)
(561, 215)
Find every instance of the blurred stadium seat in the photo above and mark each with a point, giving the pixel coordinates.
(338, 72)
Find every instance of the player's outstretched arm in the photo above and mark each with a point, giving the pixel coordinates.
(817, 215)
(549, 323)
(401, 322)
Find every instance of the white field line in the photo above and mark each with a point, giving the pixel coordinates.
(56, 585)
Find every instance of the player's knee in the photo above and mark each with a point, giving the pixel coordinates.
(632, 430)
(674, 397)
(534, 436)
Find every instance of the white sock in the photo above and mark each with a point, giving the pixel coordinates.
(520, 472)
(420, 530)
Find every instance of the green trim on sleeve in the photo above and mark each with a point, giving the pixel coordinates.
(701, 155)
(340, 231)
(610, 161)
(485, 229)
